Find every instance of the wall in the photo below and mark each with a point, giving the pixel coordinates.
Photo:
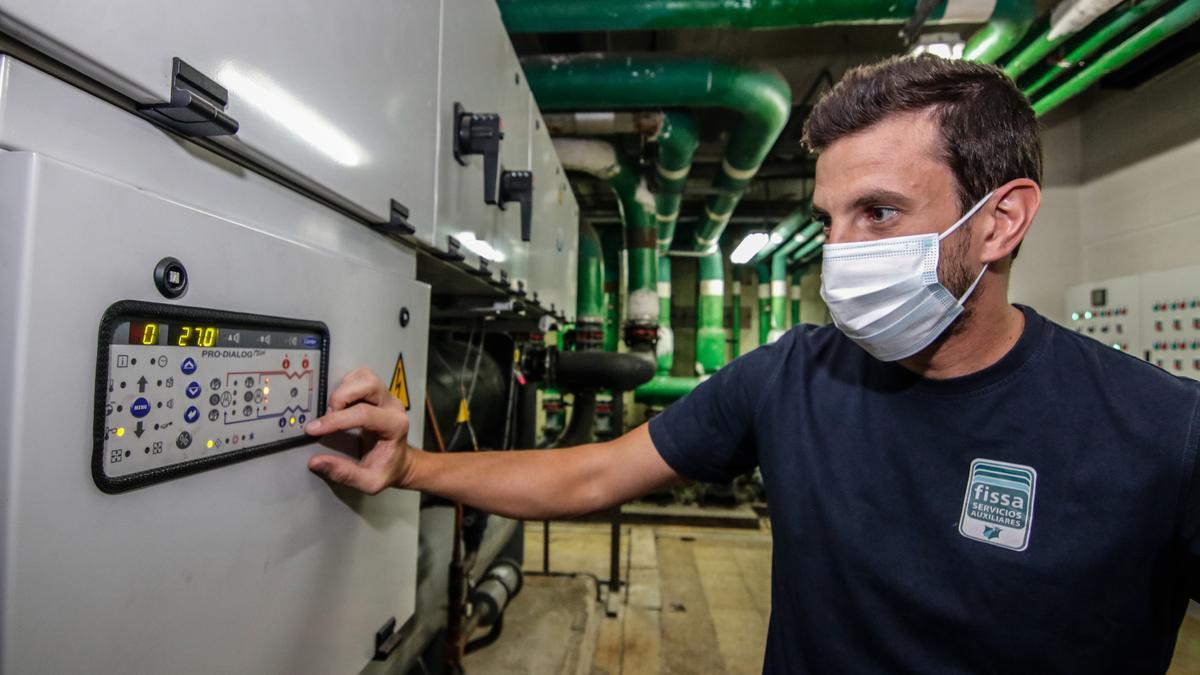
(1122, 189)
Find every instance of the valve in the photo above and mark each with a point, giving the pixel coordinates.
(517, 186)
(479, 134)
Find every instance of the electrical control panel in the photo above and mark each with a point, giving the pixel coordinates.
(1171, 320)
(182, 389)
(1107, 310)
(1154, 316)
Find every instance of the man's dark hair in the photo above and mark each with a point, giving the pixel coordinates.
(988, 129)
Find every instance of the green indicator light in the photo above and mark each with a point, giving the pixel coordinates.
(1074, 316)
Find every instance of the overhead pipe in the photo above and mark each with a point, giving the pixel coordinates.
(665, 349)
(600, 123)
(710, 314)
(1009, 22)
(803, 253)
(601, 159)
(558, 16)
(677, 142)
(1071, 16)
(1155, 32)
(1090, 41)
(589, 81)
(782, 233)
(1051, 32)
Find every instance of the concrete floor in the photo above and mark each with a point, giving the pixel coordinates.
(697, 601)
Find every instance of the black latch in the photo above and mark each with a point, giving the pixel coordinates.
(197, 106)
(397, 224)
(479, 134)
(387, 638)
(517, 186)
(520, 292)
(484, 270)
(452, 252)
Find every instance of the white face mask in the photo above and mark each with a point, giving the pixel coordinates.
(885, 294)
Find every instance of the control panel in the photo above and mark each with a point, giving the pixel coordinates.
(1108, 311)
(1171, 320)
(182, 389)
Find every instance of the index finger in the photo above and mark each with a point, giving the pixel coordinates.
(359, 385)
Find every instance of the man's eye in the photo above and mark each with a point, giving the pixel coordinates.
(880, 214)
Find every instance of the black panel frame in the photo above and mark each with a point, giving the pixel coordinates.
(125, 309)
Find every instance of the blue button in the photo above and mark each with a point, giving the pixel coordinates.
(194, 389)
(192, 414)
(282, 422)
(140, 407)
(188, 366)
(310, 341)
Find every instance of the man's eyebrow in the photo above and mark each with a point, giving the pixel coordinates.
(880, 197)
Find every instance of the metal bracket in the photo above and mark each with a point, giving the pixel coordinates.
(397, 225)
(197, 105)
(387, 638)
(453, 248)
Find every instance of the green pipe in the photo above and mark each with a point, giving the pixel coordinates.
(797, 275)
(764, 301)
(557, 16)
(677, 142)
(1010, 21)
(782, 233)
(1034, 49)
(1156, 31)
(641, 304)
(735, 299)
(665, 389)
(804, 236)
(1092, 40)
(778, 296)
(612, 241)
(710, 314)
(801, 253)
(762, 97)
(589, 306)
(665, 349)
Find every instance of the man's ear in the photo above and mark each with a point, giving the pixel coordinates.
(1013, 207)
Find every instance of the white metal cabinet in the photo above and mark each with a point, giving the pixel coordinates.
(480, 71)
(555, 243)
(340, 96)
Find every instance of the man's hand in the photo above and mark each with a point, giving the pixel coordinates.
(361, 401)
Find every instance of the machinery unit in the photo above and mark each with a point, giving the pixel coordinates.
(206, 228)
(1108, 310)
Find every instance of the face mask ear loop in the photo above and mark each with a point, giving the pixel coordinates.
(971, 289)
(974, 209)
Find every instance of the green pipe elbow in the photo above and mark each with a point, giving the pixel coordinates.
(589, 305)
(665, 389)
(677, 142)
(1010, 21)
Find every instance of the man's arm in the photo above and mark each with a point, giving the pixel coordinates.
(530, 484)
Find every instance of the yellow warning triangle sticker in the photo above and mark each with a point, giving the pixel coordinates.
(399, 386)
(464, 412)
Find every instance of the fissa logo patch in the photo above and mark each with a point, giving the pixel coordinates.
(998, 506)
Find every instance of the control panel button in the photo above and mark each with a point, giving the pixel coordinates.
(183, 440)
(191, 414)
(188, 366)
(194, 389)
(140, 407)
(213, 415)
(214, 400)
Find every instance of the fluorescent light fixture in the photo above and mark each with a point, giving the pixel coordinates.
(305, 123)
(479, 247)
(749, 247)
(945, 45)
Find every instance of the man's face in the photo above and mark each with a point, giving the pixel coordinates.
(889, 181)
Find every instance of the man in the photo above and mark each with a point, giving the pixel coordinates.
(955, 484)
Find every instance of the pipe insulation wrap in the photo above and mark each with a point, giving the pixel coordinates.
(642, 305)
(712, 287)
(778, 288)
(664, 287)
(595, 158)
(1072, 16)
(764, 291)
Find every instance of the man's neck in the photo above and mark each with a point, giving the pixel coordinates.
(991, 330)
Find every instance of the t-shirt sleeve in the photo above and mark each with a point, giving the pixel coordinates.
(708, 435)
(1191, 506)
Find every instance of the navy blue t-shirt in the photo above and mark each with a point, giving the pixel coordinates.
(1038, 516)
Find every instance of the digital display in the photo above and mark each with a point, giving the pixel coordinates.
(193, 336)
(144, 333)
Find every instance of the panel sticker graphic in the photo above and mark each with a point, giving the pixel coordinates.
(399, 386)
(998, 505)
